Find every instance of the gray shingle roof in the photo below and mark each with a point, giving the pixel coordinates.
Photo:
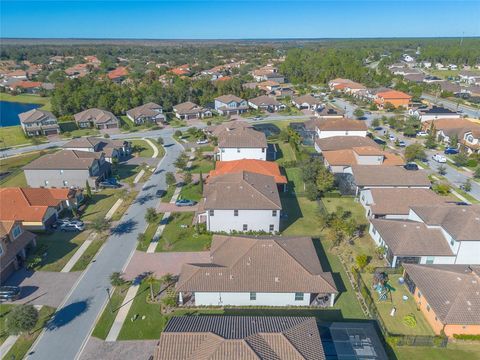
(242, 138)
(148, 109)
(229, 98)
(452, 291)
(35, 115)
(64, 160)
(240, 337)
(258, 264)
(242, 191)
(264, 100)
(344, 142)
(389, 176)
(97, 116)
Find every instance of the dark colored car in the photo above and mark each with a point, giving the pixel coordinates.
(451, 151)
(185, 202)
(9, 293)
(362, 118)
(159, 193)
(378, 128)
(402, 143)
(108, 185)
(379, 141)
(411, 166)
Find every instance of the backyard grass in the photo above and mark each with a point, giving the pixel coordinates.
(180, 235)
(201, 165)
(60, 248)
(29, 99)
(126, 173)
(149, 233)
(286, 152)
(4, 310)
(191, 192)
(452, 352)
(347, 204)
(13, 136)
(142, 148)
(79, 133)
(14, 165)
(100, 203)
(25, 341)
(108, 317)
(295, 182)
(302, 216)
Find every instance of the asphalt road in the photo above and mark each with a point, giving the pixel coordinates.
(66, 335)
(467, 110)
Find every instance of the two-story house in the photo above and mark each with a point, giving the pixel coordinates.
(230, 105)
(471, 140)
(241, 143)
(37, 122)
(111, 149)
(146, 113)
(14, 242)
(190, 111)
(241, 202)
(394, 98)
(67, 168)
(98, 118)
(432, 234)
(307, 102)
(334, 143)
(257, 271)
(328, 127)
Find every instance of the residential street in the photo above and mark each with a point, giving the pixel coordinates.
(66, 335)
(469, 111)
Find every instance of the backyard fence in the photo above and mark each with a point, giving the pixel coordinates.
(393, 339)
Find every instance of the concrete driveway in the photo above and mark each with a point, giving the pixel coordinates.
(43, 287)
(118, 350)
(162, 263)
(139, 160)
(169, 207)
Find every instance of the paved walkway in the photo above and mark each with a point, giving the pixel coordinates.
(152, 145)
(169, 207)
(122, 313)
(73, 260)
(42, 287)
(118, 350)
(114, 208)
(162, 263)
(139, 176)
(7, 345)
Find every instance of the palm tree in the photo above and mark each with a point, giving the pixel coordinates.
(150, 280)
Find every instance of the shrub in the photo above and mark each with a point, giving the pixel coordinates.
(467, 337)
(441, 189)
(116, 279)
(362, 261)
(410, 320)
(177, 133)
(22, 318)
(471, 163)
(160, 140)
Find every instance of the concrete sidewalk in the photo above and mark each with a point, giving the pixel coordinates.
(73, 260)
(122, 313)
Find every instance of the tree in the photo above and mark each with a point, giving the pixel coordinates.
(442, 169)
(431, 141)
(21, 318)
(100, 225)
(414, 152)
(88, 189)
(141, 238)
(166, 279)
(311, 191)
(467, 185)
(201, 182)
(116, 279)
(325, 180)
(187, 177)
(441, 189)
(376, 122)
(454, 141)
(362, 261)
(181, 161)
(476, 174)
(160, 141)
(151, 215)
(358, 112)
(150, 281)
(460, 159)
(170, 179)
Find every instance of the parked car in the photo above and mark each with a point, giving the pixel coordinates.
(439, 158)
(422, 134)
(257, 118)
(411, 166)
(379, 141)
(451, 151)
(108, 185)
(159, 193)
(202, 141)
(392, 138)
(72, 227)
(185, 202)
(402, 143)
(9, 293)
(378, 128)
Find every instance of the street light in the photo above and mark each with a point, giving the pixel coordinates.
(109, 300)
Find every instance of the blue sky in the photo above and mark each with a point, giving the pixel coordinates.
(238, 19)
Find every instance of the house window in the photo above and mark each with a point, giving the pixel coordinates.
(223, 150)
(238, 150)
(245, 227)
(235, 212)
(271, 228)
(211, 212)
(16, 231)
(298, 296)
(430, 259)
(263, 150)
(428, 307)
(274, 212)
(374, 231)
(452, 242)
(65, 183)
(46, 182)
(61, 171)
(253, 296)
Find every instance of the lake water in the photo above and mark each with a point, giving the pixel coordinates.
(9, 112)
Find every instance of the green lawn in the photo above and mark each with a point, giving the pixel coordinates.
(110, 312)
(149, 233)
(348, 204)
(141, 148)
(28, 98)
(167, 196)
(201, 165)
(127, 201)
(395, 324)
(286, 152)
(295, 182)
(126, 173)
(60, 248)
(155, 321)
(25, 341)
(80, 133)
(301, 216)
(13, 136)
(14, 180)
(179, 235)
(452, 352)
(4, 310)
(191, 192)
(14, 165)
(100, 203)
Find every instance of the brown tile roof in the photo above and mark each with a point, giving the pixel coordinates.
(344, 142)
(64, 160)
(452, 291)
(188, 108)
(461, 222)
(216, 130)
(228, 98)
(410, 238)
(242, 138)
(240, 338)
(264, 100)
(397, 201)
(119, 72)
(90, 142)
(251, 165)
(308, 99)
(29, 204)
(243, 190)
(389, 176)
(35, 115)
(258, 264)
(148, 109)
(343, 124)
(97, 116)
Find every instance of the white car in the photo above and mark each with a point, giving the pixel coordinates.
(422, 134)
(202, 141)
(439, 158)
(392, 137)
